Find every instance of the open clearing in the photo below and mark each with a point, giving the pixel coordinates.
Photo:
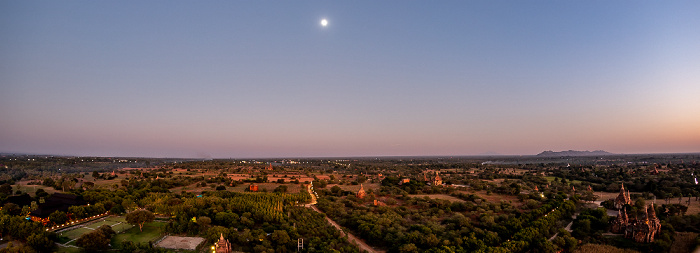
(493, 197)
(151, 232)
(438, 196)
(178, 242)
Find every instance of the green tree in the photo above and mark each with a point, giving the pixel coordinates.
(40, 193)
(203, 222)
(93, 241)
(11, 209)
(140, 217)
(49, 182)
(58, 217)
(406, 248)
(107, 230)
(6, 188)
(281, 188)
(280, 237)
(40, 242)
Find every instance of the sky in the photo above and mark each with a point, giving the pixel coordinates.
(385, 78)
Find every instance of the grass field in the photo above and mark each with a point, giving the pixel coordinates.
(62, 249)
(31, 189)
(75, 233)
(493, 197)
(151, 231)
(111, 221)
(118, 225)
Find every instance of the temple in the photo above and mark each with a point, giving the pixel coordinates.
(622, 199)
(641, 230)
(361, 193)
(222, 246)
(437, 180)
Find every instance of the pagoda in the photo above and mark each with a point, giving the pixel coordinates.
(438, 180)
(223, 245)
(623, 198)
(361, 193)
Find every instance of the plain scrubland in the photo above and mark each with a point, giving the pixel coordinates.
(598, 248)
(438, 196)
(685, 242)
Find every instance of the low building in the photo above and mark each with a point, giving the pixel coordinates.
(253, 187)
(55, 202)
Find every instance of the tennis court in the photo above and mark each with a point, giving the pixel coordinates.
(74, 233)
(118, 224)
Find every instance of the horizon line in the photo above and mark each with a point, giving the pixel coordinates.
(352, 156)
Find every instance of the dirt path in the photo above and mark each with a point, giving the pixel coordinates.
(313, 195)
(363, 246)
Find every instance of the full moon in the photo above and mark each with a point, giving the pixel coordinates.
(324, 22)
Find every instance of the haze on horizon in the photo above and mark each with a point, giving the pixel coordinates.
(265, 79)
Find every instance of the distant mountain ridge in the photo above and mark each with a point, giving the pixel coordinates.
(575, 153)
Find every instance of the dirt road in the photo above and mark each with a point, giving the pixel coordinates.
(363, 246)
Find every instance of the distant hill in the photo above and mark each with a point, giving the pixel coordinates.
(575, 153)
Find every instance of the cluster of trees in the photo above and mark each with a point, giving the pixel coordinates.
(258, 236)
(34, 233)
(433, 225)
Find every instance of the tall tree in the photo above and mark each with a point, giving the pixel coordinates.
(58, 217)
(93, 241)
(139, 218)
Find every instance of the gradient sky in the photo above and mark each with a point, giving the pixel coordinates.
(264, 79)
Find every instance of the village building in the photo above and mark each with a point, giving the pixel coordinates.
(56, 202)
(253, 187)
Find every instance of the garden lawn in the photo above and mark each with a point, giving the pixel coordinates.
(62, 249)
(151, 232)
(102, 222)
(75, 233)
